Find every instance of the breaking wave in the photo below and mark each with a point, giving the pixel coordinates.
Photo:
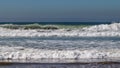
(79, 48)
(92, 31)
(104, 27)
(80, 43)
(11, 53)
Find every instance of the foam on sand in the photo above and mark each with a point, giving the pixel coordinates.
(97, 30)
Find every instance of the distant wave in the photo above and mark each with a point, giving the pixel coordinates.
(57, 23)
(92, 31)
(104, 27)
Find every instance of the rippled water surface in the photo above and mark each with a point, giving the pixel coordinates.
(62, 42)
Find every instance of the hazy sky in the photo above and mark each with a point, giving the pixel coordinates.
(59, 10)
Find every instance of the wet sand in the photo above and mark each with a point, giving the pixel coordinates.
(61, 65)
(57, 63)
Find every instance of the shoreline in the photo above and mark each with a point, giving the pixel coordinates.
(75, 64)
(63, 61)
(61, 65)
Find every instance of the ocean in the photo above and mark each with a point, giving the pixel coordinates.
(62, 43)
(67, 59)
(54, 51)
(58, 23)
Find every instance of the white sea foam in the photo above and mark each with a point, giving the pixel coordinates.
(105, 27)
(31, 53)
(69, 48)
(97, 30)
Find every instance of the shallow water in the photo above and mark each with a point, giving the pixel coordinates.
(70, 43)
(55, 65)
(75, 48)
(61, 43)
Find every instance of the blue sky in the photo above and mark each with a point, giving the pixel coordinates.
(59, 10)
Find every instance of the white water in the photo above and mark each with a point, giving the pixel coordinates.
(93, 31)
(21, 48)
(11, 53)
(66, 48)
(104, 27)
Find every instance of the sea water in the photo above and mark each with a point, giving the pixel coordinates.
(59, 52)
(75, 48)
(82, 49)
